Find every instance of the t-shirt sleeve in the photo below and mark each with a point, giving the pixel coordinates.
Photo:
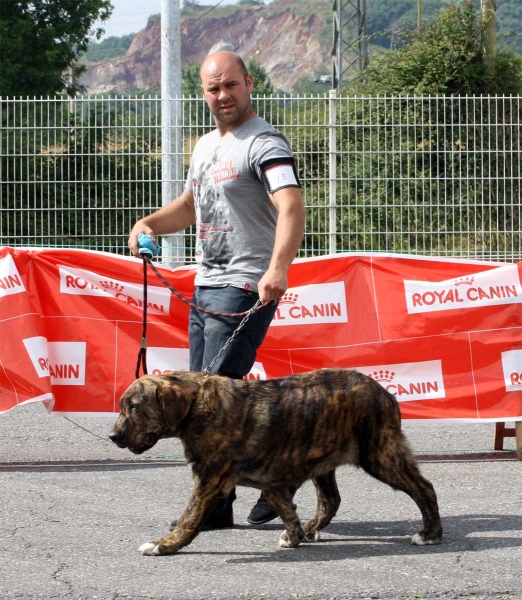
(272, 160)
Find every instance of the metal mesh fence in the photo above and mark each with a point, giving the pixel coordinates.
(437, 175)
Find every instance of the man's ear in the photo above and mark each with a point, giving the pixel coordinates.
(175, 394)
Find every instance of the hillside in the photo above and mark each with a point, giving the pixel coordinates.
(292, 39)
(290, 43)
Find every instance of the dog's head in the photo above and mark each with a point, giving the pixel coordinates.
(152, 408)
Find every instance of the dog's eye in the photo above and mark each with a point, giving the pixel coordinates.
(134, 407)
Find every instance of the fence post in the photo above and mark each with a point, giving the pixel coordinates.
(332, 159)
(173, 246)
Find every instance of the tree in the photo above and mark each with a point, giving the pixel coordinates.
(111, 47)
(40, 43)
(306, 85)
(41, 141)
(446, 58)
(191, 4)
(191, 81)
(262, 85)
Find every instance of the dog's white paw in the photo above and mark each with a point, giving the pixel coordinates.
(312, 536)
(147, 549)
(284, 541)
(418, 541)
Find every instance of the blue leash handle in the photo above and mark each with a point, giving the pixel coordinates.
(147, 246)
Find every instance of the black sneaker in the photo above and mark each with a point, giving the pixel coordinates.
(220, 517)
(262, 512)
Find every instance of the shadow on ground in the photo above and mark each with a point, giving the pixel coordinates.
(462, 533)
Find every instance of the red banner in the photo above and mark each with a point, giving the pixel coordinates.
(443, 335)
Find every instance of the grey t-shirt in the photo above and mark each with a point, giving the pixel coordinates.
(235, 218)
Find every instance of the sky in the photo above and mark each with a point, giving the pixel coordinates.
(130, 16)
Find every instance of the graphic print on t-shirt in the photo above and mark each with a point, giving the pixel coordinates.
(213, 211)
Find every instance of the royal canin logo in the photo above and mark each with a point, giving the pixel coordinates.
(464, 281)
(288, 298)
(490, 288)
(410, 381)
(312, 304)
(87, 283)
(512, 368)
(382, 376)
(63, 362)
(112, 287)
(10, 280)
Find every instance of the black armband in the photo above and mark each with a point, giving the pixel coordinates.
(279, 173)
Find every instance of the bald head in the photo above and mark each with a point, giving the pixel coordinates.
(218, 60)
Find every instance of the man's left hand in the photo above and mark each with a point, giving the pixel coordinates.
(272, 286)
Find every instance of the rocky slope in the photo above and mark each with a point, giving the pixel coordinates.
(288, 42)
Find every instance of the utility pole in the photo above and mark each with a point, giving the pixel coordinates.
(173, 246)
(489, 17)
(350, 43)
(419, 16)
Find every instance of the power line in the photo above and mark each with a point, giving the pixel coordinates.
(204, 14)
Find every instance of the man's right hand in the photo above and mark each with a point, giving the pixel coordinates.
(140, 227)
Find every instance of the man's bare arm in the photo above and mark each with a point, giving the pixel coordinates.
(173, 217)
(289, 234)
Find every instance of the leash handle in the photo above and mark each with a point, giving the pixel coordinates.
(147, 246)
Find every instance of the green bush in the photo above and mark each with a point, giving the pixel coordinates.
(445, 59)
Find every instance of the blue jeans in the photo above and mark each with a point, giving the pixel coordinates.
(209, 333)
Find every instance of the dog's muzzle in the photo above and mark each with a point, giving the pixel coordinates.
(118, 438)
(122, 441)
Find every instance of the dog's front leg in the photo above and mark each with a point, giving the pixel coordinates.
(281, 502)
(200, 502)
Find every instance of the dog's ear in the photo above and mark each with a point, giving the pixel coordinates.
(176, 392)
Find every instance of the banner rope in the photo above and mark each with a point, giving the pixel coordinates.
(106, 439)
(451, 451)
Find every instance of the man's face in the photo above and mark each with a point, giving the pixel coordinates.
(227, 91)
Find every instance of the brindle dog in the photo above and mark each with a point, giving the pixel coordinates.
(274, 435)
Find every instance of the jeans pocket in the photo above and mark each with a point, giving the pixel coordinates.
(266, 316)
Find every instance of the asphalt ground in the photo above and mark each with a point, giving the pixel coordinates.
(75, 509)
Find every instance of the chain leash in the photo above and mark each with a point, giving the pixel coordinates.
(247, 316)
(142, 360)
(258, 305)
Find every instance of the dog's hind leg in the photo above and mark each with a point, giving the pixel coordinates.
(281, 501)
(328, 501)
(394, 464)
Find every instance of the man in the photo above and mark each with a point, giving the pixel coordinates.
(243, 193)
